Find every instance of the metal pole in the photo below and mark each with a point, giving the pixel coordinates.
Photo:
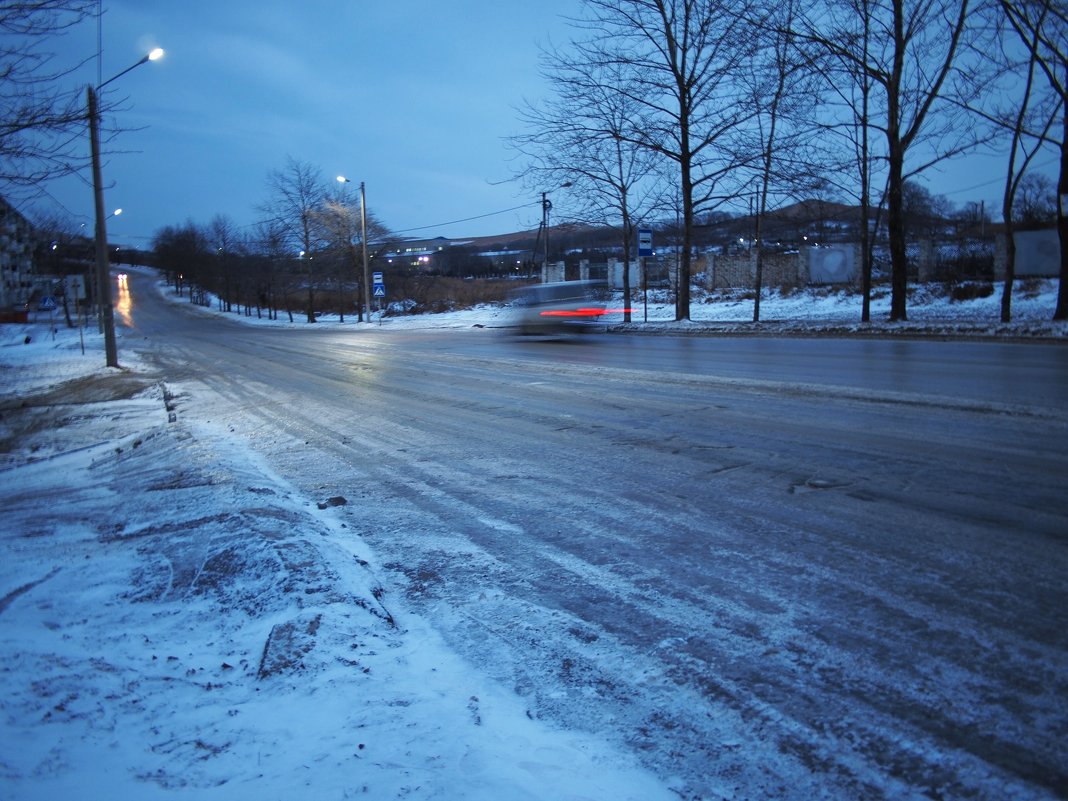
(103, 278)
(363, 239)
(545, 204)
(645, 286)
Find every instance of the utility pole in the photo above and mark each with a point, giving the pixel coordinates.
(103, 278)
(546, 204)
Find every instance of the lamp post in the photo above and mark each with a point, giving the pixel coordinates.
(546, 205)
(363, 242)
(103, 284)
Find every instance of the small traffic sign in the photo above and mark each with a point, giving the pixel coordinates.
(380, 291)
(76, 286)
(48, 303)
(645, 242)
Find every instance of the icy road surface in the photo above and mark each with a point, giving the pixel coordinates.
(779, 579)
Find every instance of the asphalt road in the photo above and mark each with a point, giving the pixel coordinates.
(776, 569)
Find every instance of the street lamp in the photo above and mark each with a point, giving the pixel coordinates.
(546, 205)
(103, 285)
(363, 240)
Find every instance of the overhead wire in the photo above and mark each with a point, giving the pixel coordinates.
(402, 230)
(466, 219)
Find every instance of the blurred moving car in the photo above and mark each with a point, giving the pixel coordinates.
(558, 308)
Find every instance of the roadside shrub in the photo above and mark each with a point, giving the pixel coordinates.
(970, 290)
(437, 293)
(1030, 287)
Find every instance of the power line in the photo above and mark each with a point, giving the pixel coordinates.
(400, 231)
(466, 219)
(999, 181)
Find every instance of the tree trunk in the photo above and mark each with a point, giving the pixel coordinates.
(899, 276)
(1010, 273)
(682, 298)
(682, 279)
(1061, 312)
(865, 186)
(896, 228)
(865, 258)
(759, 280)
(626, 263)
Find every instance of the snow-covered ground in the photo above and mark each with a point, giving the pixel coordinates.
(819, 310)
(176, 621)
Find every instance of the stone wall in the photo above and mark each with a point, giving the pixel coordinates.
(739, 272)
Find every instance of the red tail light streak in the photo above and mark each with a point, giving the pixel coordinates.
(581, 312)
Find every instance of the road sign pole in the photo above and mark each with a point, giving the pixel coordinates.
(645, 250)
(81, 322)
(379, 293)
(645, 288)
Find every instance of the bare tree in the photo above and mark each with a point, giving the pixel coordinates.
(339, 224)
(910, 48)
(684, 55)
(225, 243)
(42, 117)
(851, 151)
(1042, 26)
(924, 214)
(276, 255)
(779, 79)
(1028, 121)
(1035, 204)
(296, 195)
(584, 136)
(340, 227)
(184, 252)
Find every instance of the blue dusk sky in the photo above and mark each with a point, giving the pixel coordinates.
(413, 97)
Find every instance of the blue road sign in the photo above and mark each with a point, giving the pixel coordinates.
(380, 290)
(645, 242)
(47, 303)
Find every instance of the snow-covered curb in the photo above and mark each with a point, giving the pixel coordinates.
(1056, 331)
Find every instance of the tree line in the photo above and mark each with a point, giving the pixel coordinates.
(696, 105)
(306, 255)
(659, 109)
